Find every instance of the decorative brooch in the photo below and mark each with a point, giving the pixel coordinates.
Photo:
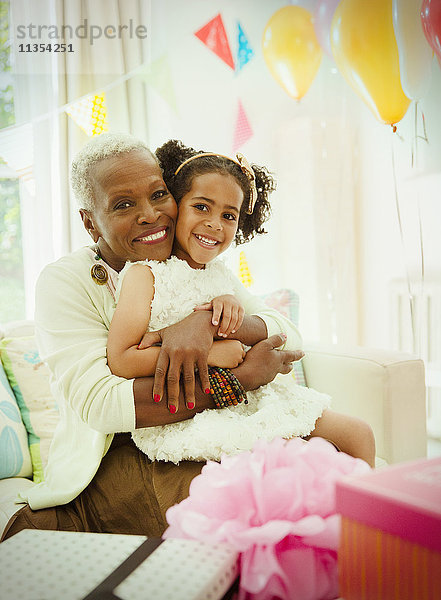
(98, 272)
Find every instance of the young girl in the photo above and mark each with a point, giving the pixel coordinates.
(220, 200)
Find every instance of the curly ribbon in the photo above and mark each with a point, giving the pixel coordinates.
(414, 164)
(417, 137)
(416, 339)
(400, 225)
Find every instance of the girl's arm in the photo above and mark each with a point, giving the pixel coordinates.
(253, 319)
(129, 323)
(227, 354)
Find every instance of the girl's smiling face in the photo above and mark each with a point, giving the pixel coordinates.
(207, 219)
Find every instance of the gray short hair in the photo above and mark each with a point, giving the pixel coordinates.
(95, 150)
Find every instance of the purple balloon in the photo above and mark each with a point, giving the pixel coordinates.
(324, 11)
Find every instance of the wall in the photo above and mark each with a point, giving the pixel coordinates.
(334, 235)
(308, 144)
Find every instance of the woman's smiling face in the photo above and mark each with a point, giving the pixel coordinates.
(134, 214)
(208, 218)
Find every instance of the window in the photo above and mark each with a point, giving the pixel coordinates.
(12, 300)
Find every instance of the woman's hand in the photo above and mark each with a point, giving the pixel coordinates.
(227, 311)
(227, 354)
(264, 361)
(184, 349)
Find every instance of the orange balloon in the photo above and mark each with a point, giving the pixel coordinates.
(366, 53)
(291, 50)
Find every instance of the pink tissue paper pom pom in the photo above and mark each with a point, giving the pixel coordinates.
(275, 506)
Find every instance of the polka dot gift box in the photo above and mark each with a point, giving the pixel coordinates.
(62, 565)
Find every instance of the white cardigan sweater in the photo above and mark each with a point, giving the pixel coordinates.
(72, 318)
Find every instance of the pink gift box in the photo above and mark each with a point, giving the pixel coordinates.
(391, 533)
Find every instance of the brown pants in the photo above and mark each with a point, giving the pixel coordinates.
(129, 494)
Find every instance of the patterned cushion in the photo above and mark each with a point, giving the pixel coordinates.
(29, 379)
(287, 302)
(15, 460)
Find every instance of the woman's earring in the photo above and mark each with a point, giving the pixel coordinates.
(99, 272)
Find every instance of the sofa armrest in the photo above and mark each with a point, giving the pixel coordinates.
(386, 389)
(9, 490)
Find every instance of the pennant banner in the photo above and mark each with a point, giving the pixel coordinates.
(243, 131)
(244, 51)
(244, 271)
(88, 111)
(90, 114)
(158, 74)
(214, 36)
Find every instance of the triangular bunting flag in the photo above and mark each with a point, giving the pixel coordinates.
(214, 36)
(243, 131)
(244, 51)
(244, 271)
(158, 75)
(17, 150)
(90, 114)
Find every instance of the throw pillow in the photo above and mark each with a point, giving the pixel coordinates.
(15, 460)
(29, 379)
(287, 302)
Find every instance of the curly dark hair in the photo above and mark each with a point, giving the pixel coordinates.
(173, 153)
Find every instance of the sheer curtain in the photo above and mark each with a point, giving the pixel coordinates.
(45, 82)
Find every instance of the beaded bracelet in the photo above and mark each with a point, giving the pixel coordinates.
(238, 388)
(225, 388)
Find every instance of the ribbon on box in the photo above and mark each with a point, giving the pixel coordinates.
(104, 590)
(227, 584)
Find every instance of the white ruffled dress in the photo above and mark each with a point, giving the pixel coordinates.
(279, 409)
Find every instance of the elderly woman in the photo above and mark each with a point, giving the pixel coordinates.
(96, 479)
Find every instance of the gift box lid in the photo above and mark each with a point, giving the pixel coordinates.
(403, 499)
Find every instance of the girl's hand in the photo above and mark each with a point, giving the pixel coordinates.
(149, 339)
(227, 311)
(227, 354)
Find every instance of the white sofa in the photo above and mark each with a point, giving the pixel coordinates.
(386, 389)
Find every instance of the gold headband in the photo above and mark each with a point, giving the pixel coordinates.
(245, 167)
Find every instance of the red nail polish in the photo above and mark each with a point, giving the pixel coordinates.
(190, 405)
(207, 390)
(172, 408)
(156, 397)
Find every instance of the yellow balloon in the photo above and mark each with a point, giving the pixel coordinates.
(366, 53)
(291, 50)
